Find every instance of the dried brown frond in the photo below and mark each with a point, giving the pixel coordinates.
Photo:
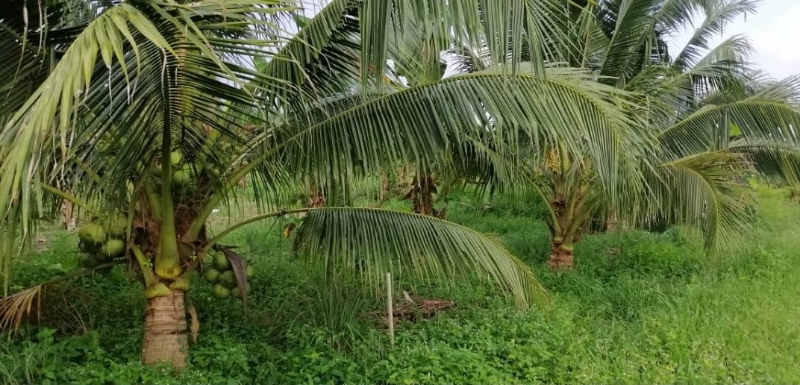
(239, 266)
(49, 304)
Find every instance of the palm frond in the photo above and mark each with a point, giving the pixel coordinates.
(592, 41)
(501, 26)
(53, 303)
(670, 93)
(708, 128)
(773, 160)
(417, 124)
(718, 15)
(41, 112)
(16, 307)
(323, 57)
(633, 29)
(371, 242)
(703, 190)
(33, 36)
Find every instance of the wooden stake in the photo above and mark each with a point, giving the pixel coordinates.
(390, 307)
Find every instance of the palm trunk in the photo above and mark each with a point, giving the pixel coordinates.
(421, 195)
(242, 184)
(426, 190)
(165, 331)
(68, 216)
(384, 192)
(611, 221)
(565, 231)
(561, 257)
(316, 199)
(401, 180)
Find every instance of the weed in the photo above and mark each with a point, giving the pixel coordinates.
(638, 308)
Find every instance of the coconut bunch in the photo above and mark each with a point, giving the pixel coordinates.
(220, 274)
(185, 172)
(102, 241)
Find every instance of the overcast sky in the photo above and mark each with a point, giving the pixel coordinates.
(774, 32)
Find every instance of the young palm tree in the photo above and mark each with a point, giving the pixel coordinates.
(689, 102)
(687, 105)
(155, 112)
(696, 99)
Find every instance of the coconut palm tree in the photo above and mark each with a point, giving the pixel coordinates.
(690, 101)
(716, 120)
(157, 109)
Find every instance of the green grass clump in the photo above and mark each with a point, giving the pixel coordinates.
(639, 308)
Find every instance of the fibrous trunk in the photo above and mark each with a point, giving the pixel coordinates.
(402, 180)
(564, 233)
(68, 216)
(611, 222)
(316, 197)
(384, 192)
(561, 257)
(165, 331)
(242, 183)
(421, 196)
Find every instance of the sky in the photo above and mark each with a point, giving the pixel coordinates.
(774, 33)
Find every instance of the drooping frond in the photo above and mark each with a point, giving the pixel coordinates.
(721, 68)
(592, 41)
(372, 242)
(709, 127)
(416, 52)
(50, 301)
(50, 305)
(418, 123)
(703, 190)
(673, 15)
(32, 37)
(25, 135)
(773, 160)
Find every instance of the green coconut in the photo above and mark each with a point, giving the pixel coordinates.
(249, 271)
(228, 279)
(221, 262)
(175, 158)
(113, 248)
(116, 226)
(157, 290)
(182, 177)
(185, 175)
(221, 292)
(92, 234)
(211, 275)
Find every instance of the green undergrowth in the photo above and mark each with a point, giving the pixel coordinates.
(639, 308)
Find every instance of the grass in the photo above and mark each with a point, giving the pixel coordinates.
(639, 308)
